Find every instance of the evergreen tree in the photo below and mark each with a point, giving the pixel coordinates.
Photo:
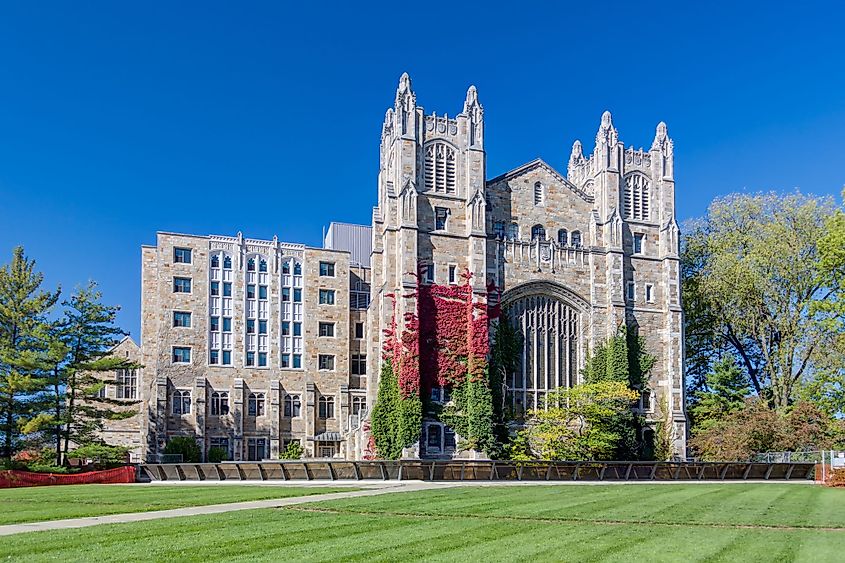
(24, 306)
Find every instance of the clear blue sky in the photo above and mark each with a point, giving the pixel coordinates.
(118, 119)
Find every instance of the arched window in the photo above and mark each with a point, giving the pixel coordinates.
(325, 407)
(539, 194)
(250, 265)
(538, 232)
(215, 260)
(576, 239)
(636, 199)
(262, 265)
(181, 402)
(440, 168)
(255, 404)
(292, 406)
(219, 403)
(563, 237)
(513, 231)
(227, 262)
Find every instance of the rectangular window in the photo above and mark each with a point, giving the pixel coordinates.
(428, 273)
(262, 327)
(214, 324)
(181, 285)
(285, 328)
(649, 293)
(227, 289)
(250, 326)
(327, 269)
(359, 330)
(297, 295)
(227, 324)
(181, 355)
(214, 357)
(215, 289)
(326, 362)
(285, 294)
(285, 360)
(359, 364)
(220, 443)
(297, 329)
(326, 297)
(182, 255)
(250, 291)
(297, 361)
(441, 214)
(499, 229)
(227, 357)
(453, 273)
(256, 449)
(250, 358)
(327, 329)
(262, 292)
(262, 359)
(127, 383)
(181, 319)
(638, 243)
(631, 291)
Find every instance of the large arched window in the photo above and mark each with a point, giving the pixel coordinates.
(181, 402)
(562, 237)
(440, 168)
(538, 232)
(292, 406)
(549, 359)
(255, 404)
(636, 200)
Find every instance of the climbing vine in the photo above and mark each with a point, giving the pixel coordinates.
(444, 343)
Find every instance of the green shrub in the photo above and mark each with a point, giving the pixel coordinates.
(186, 446)
(102, 455)
(217, 454)
(292, 451)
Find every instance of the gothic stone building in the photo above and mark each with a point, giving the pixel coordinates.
(250, 344)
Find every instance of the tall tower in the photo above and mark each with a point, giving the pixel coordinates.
(430, 217)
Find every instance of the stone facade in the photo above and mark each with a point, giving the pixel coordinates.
(572, 257)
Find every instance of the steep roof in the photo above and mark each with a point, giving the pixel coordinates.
(540, 163)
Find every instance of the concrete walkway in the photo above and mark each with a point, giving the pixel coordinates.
(370, 490)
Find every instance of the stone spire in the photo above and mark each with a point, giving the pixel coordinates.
(406, 104)
(577, 153)
(607, 134)
(661, 138)
(475, 116)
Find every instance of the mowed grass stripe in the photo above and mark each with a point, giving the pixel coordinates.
(309, 536)
(785, 505)
(37, 504)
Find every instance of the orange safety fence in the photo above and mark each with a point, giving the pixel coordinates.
(11, 479)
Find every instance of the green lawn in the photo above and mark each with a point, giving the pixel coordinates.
(34, 504)
(754, 522)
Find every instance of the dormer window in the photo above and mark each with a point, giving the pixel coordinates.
(539, 194)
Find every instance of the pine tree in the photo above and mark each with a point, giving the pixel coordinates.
(24, 307)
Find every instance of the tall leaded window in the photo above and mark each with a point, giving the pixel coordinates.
(181, 403)
(636, 199)
(220, 309)
(291, 313)
(257, 311)
(325, 407)
(292, 406)
(219, 403)
(440, 168)
(127, 384)
(255, 404)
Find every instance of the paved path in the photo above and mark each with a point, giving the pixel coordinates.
(372, 490)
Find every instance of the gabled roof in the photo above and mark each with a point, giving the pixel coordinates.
(122, 340)
(540, 163)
